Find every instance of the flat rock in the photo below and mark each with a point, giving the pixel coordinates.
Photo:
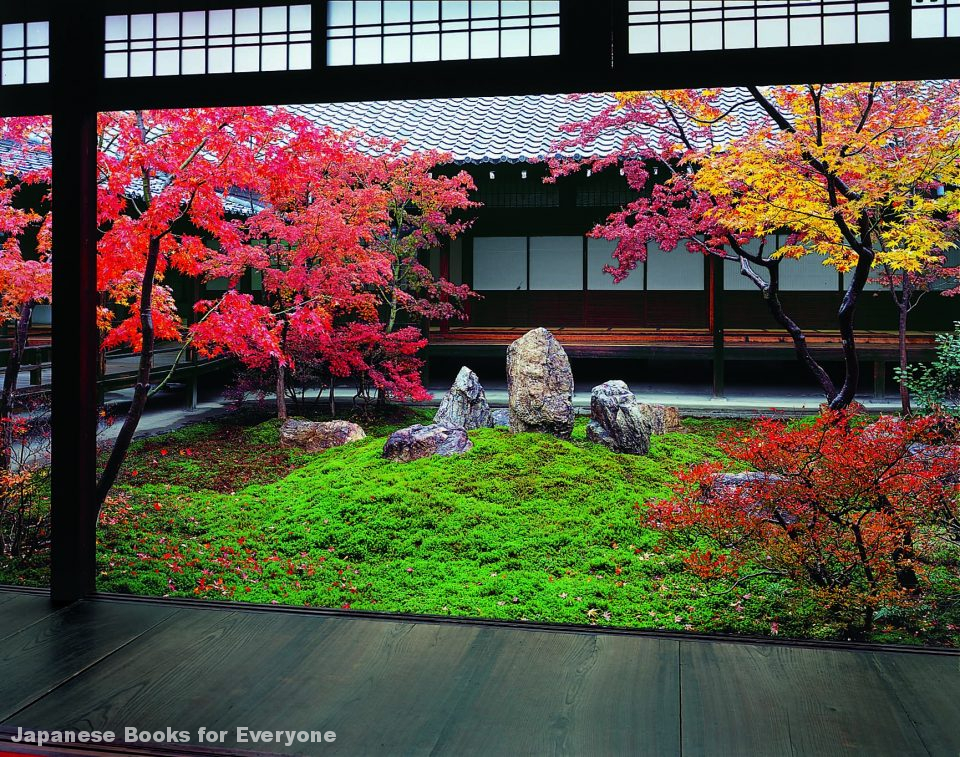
(465, 404)
(663, 419)
(754, 482)
(317, 437)
(540, 385)
(617, 419)
(417, 441)
(500, 416)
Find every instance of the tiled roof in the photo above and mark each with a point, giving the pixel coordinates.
(474, 129)
(15, 160)
(496, 129)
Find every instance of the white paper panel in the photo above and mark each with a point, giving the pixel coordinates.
(678, 270)
(499, 263)
(556, 263)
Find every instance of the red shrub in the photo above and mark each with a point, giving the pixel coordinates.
(839, 505)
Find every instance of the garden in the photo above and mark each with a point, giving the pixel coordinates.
(844, 525)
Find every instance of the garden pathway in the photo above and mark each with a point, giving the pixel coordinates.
(400, 685)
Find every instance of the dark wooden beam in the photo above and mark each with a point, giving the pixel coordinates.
(74, 59)
(593, 57)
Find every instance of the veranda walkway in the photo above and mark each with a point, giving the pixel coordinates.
(392, 685)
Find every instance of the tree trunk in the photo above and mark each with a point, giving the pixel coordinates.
(845, 317)
(282, 374)
(903, 305)
(122, 444)
(333, 399)
(902, 345)
(15, 361)
(281, 391)
(772, 296)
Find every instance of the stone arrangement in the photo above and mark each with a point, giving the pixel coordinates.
(540, 388)
(465, 404)
(317, 437)
(540, 385)
(419, 441)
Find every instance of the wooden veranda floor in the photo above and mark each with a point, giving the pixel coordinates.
(742, 344)
(394, 685)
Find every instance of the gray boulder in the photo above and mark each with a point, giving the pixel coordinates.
(937, 454)
(418, 441)
(617, 419)
(754, 483)
(662, 419)
(500, 416)
(317, 437)
(540, 385)
(465, 404)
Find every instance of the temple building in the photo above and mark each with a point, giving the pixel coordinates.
(529, 258)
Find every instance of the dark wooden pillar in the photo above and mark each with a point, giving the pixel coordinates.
(715, 297)
(75, 52)
(879, 379)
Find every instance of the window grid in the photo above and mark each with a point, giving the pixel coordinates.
(522, 264)
(657, 26)
(935, 18)
(25, 50)
(512, 191)
(273, 38)
(410, 31)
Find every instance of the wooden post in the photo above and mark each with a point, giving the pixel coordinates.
(716, 322)
(75, 52)
(879, 380)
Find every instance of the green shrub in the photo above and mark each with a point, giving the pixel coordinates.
(937, 386)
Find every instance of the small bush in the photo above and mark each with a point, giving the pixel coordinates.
(25, 489)
(936, 387)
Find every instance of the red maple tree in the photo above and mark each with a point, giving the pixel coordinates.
(25, 248)
(164, 182)
(345, 222)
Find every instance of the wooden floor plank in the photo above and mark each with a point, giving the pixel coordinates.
(928, 688)
(753, 699)
(40, 657)
(577, 694)
(22, 610)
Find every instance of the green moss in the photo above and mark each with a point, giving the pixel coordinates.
(523, 526)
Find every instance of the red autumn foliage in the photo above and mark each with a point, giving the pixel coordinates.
(843, 507)
(344, 291)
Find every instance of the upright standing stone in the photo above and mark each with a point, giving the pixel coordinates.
(540, 384)
(465, 405)
(618, 420)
